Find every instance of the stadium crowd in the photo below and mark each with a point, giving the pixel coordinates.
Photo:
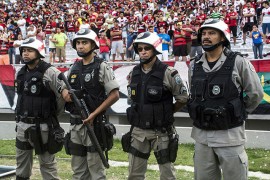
(117, 24)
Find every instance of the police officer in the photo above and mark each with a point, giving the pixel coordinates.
(39, 103)
(218, 106)
(95, 79)
(151, 89)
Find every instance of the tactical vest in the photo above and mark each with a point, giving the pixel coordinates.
(35, 98)
(85, 80)
(152, 104)
(215, 102)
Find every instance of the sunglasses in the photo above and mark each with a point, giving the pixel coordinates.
(146, 48)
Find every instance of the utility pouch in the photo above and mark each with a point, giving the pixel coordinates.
(237, 107)
(55, 139)
(133, 115)
(104, 131)
(66, 143)
(110, 130)
(34, 135)
(173, 147)
(126, 142)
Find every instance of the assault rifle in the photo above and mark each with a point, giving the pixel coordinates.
(81, 105)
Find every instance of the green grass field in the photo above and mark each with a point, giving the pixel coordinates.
(259, 160)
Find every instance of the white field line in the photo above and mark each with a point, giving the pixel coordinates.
(258, 174)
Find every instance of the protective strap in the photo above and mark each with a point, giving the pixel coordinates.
(137, 153)
(91, 149)
(23, 145)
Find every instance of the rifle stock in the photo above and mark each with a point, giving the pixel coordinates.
(80, 104)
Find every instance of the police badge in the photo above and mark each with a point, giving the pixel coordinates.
(216, 90)
(87, 77)
(33, 89)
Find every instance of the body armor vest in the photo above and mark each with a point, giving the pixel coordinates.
(85, 80)
(35, 98)
(216, 103)
(152, 104)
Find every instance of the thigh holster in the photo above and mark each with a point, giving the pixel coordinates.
(23, 145)
(162, 156)
(72, 148)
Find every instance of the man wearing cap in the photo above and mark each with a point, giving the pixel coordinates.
(218, 107)
(152, 87)
(38, 105)
(94, 80)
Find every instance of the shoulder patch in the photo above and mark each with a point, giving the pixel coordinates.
(178, 79)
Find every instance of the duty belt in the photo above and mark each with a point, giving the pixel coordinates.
(31, 120)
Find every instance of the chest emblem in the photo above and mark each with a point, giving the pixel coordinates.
(87, 77)
(33, 89)
(152, 91)
(216, 90)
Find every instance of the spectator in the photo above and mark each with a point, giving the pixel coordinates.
(166, 41)
(117, 41)
(52, 48)
(31, 32)
(4, 57)
(22, 24)
(257, 40)
(131, 36)
(248, 20)
(187, 27)
(84, 24)
(60, 44)
(265, 18)
(17, 43)
(40, 34)
(180, 44)
(231, 20)
(107, 30)
(71, 28)
(104, 46)
(196, 47)
(11, 50)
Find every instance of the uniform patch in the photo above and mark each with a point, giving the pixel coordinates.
(129, 91)
(87, 77)
(111, 70)
(177, 79)
(152, 91)
(33, 89)
(216, 90)
(133, 92)
(73, 76)
(183, 90)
